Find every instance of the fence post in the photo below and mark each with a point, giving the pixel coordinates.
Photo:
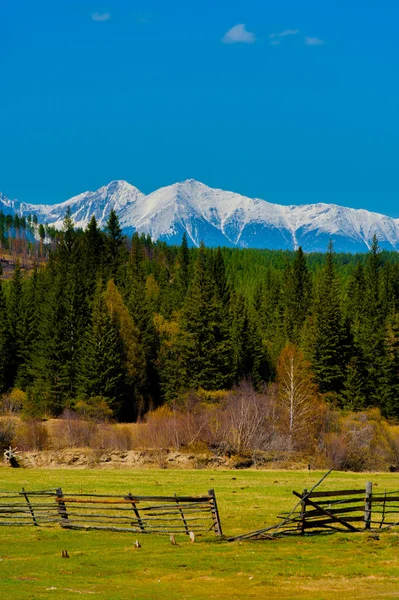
(303, 510)
(136, 512)
(215, 513)
(182, 516)
(367, 505)
(62, 510)
(30, 507)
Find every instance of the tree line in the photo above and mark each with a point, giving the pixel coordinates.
(127, 325)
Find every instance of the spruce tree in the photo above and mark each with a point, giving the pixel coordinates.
(298, 288)
(135, 364)
(93, 255)
(102, 370)
(220, 277)
(15, 321)
(206, 347)
(115, 251)
(250, 360)
(183, 268)
(4, 340)
(327, 344)
(30, 316)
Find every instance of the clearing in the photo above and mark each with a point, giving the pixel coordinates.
(106, 565)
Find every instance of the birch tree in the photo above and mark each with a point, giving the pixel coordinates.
(298, 397)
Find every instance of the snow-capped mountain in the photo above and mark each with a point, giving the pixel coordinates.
(220, 218)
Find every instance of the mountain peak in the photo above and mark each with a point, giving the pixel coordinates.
(220, 218)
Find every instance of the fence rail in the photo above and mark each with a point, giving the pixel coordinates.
(110, 512)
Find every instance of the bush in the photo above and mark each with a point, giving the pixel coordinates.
(7, 432)
(13, 402)
(71, 431)
(32, 435)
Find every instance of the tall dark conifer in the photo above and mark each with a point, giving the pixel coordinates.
(206, 346)
(102, 370)
(4, 341)
(327, 338)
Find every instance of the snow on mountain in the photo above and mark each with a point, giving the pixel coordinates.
(219, 217)
(116, 195)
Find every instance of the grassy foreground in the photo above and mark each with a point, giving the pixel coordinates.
(105, 565)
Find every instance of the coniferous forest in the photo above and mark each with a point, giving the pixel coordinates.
(129, 324)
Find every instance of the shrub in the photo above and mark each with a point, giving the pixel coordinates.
(7, 432)
(32, 435)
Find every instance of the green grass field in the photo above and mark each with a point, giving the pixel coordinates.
(106, 565)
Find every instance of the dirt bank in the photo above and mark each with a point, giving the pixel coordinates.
(84, 458)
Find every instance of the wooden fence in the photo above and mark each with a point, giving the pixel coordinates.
(130, 513)
(336, 510)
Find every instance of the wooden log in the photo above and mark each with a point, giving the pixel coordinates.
(92, 501)
(183, 517)
(303, 510)
(336, 493)
(336, 511)
(367, 505)
(381, 498)
(136, 512)
(215, 513)
(30, 507)
(62, 511)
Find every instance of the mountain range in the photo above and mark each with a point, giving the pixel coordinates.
(219, 218)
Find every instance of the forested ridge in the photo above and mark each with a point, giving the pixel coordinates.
(129, 324)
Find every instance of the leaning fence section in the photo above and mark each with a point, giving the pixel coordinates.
(334, 510)
(28, 508)
(129, 513)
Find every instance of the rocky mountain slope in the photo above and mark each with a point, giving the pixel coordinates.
(220, 217)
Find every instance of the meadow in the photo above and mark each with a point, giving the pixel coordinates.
(107, 566)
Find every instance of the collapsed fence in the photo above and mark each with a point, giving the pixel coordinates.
(129, 513)
(334, 510)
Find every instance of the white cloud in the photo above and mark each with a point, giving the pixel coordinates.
(284, 33)
(239, 35)
(313, 41)
(100, 16)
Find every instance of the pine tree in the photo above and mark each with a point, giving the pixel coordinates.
(135, 364)
(354, 393)
(93, 255)
(298, 288)
(205, 342)
(15, 348)
(220, 277)
(102, 370)
(183, 268)
(4, 341)
(250, 360)
(327, 345)
(30, 316)
(49, 390)
(115, 251)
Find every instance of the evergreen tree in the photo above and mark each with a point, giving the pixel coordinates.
(16, 342)
(220, 277)
(298, 288)
(30, 316)
(115, 251)
(250, 359)
(93, 250)
(183, 269)
(205, 344)
(4, 340)
(135, 364)
(327, 342)
(102, 371)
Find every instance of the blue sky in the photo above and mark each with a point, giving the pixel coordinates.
(293, 102)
